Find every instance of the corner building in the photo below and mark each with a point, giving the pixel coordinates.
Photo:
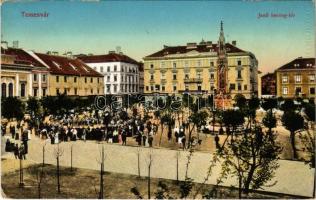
(193, 69)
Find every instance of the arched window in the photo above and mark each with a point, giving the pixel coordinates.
(10, 89)
(22, 89)
(4, 90)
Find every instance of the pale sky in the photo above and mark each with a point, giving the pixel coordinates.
(141, 28)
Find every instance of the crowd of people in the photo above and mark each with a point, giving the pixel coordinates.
(16, 144)
(98, 125)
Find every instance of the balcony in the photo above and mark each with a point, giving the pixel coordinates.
(193, 80)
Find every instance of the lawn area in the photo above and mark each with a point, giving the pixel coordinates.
(83, 183)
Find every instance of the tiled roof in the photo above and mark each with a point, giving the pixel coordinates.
(268, 75)
(21, 57)
(67, 66)
(299, 63)
(199, 47)
(111, 57)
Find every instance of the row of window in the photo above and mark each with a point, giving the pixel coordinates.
(124, 88)
(75, 91)
(115, 69)
(75, 79)
(232, 86)
(297, 78)
(187, 75)
(298, 91)
(35, 92)
(22, 91)
(37, 76)
(186, 64)
(131, 79)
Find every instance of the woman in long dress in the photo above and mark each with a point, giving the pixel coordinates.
(56, 138)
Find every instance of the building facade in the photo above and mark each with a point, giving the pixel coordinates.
(268, 84)
(121, 73)
(197, 68)
(141, 78)
(70, 76)
(21, 75)
(297, 79)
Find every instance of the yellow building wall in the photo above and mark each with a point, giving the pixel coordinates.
(191, 68)
(84, 88)
(305, 83)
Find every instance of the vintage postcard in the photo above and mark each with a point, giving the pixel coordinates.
(158, 99)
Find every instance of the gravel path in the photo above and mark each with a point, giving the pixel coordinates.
(292, 177)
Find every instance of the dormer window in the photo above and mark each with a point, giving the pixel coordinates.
(57, 65)
(85, 68)
(75, 68)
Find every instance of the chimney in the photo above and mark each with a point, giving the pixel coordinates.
(15, 44)
(191, 45)
(118, 49)
(202, 42)
(234, 42)
(69, 54)
(4, 44)
(209, 44)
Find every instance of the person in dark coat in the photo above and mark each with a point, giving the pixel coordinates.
(139, 139)
(183, 142)
(217, 141)
(25, 140)
(16, 151)
(12, 131)
(169, 133)
(8, 145)
(144, 140)
(124, 137)
(22, 152)
(150, 141)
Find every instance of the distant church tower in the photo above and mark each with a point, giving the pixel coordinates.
(221, 63)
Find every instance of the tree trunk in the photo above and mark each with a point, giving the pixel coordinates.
(43, 156)
(138, 163)
(148, 183)
(190, 133)
(71, 158)
(21, 173)
(161, 134)
(58, 181)
(177, 167)
(292, 136)
(39, 190)
(239, 188)
(249, 178)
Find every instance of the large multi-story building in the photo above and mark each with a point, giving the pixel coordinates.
(70, 76)
(121, 73)
(21, 74)
(197, 68)
(141, 78)
(268, 84)
(26, 73)
(296, 79)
